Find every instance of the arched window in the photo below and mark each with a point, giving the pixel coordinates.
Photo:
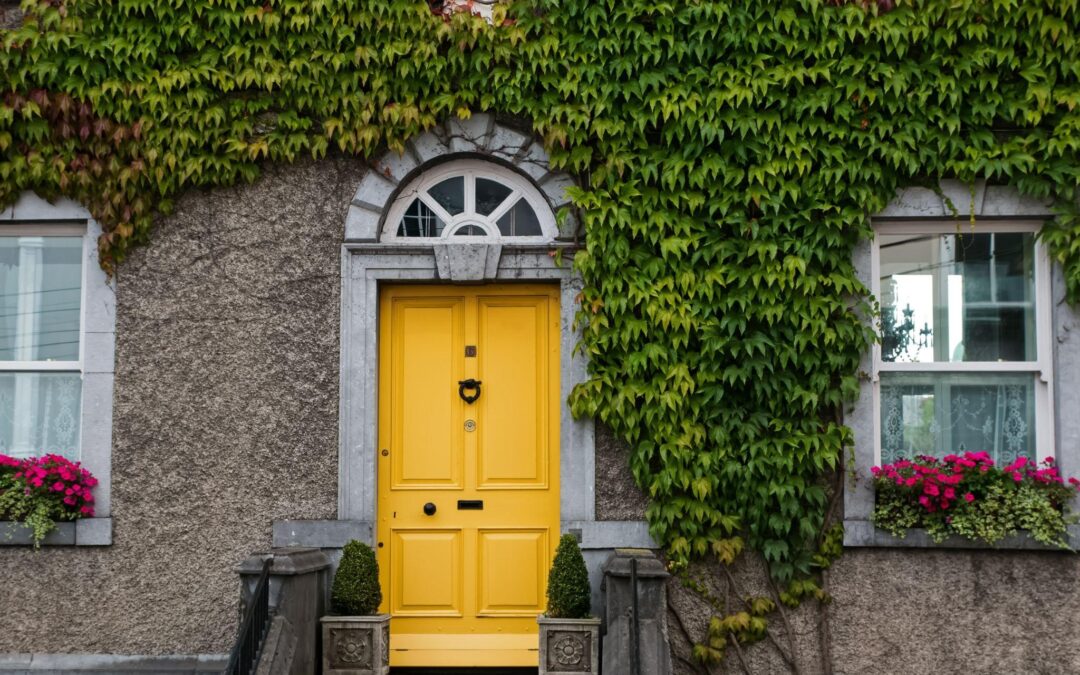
(470, 198)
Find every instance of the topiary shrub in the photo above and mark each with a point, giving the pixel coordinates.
(356, 590)
(568, 592)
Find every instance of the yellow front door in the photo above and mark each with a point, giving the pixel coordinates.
(468, 514)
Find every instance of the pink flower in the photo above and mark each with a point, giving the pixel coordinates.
(950, 493)
(931, 489)
(925, 501)
(969, 497)
(58, 486)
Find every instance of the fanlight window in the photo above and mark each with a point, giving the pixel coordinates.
(470, 198)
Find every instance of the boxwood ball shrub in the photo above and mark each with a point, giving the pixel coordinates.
(356, 590)
(568, 591)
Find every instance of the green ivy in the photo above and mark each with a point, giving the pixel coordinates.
(729, 153)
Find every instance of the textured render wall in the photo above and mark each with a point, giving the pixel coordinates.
(617, 495)
(226, 409)
(921, 611)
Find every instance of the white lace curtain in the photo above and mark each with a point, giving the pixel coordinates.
(942, 418)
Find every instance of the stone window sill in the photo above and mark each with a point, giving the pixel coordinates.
(863, 534)
(82, 532)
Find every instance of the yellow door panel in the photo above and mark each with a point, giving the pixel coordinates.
(468, 510)
(511, 571)
(425, 411)
(427, 569)
(513, 439)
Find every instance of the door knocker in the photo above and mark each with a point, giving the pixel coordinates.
(469, 384)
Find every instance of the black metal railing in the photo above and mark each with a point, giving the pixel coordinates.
(249, 641)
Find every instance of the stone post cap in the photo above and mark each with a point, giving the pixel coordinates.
(648, 565)
(287, 561)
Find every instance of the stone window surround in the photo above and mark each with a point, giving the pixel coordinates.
(98, 350)
(998, 204)
(366, 264)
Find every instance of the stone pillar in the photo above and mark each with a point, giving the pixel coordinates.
(299, 591)
(636, 640)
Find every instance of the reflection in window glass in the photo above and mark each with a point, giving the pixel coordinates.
(958, 297)
(519, 221)
(40, 298)
(943, 413)
(489, 195)
(420, 221)
(40, 413)
(450, 194)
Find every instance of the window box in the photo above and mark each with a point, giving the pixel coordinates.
(83, 532)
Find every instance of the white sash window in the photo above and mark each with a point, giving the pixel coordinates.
(41, 308)
(964, 359)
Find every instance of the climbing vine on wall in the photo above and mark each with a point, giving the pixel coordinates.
(729, 155)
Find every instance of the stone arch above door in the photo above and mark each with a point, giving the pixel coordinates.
(481, 137)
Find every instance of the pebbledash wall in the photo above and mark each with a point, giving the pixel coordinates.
(234, 429)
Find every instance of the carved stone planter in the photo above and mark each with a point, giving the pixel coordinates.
(569, 645)
(356, 645)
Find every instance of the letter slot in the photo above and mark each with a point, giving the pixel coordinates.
(470, 504)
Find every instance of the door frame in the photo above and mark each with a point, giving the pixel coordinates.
(365, 267)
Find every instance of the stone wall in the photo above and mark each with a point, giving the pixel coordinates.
(617, 495)
(915, 611)
(226, 418)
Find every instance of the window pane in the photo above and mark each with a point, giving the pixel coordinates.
(943, 413)
(40, 297)
(420, 221)
(489, 195)
(958, 297)
(470, 231)
(39, 414)
(450, 194)
(520, 221)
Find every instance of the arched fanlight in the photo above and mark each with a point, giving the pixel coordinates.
(470, 198)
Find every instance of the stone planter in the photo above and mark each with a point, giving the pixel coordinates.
(356, 645)
(569, 645)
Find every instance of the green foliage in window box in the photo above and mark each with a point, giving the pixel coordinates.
(568, 593)
(356, 590)
(970, 497)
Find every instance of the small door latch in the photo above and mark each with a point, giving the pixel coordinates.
(470, 383)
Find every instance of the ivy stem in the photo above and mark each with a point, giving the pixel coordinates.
(824, 634)
(768, 633)
(787, 626)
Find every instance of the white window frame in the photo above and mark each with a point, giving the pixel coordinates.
(471, 169)
(33, 216)
(1041, 369)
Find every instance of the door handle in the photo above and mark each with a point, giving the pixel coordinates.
(468, 384)
(429, 509)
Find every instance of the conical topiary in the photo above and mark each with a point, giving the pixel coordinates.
(356, 590)
(568, 592)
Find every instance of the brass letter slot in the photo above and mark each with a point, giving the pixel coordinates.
(470, 504)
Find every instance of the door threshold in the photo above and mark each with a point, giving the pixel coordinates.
(400, 670)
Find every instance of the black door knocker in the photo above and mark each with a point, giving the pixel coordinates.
(468, 384)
